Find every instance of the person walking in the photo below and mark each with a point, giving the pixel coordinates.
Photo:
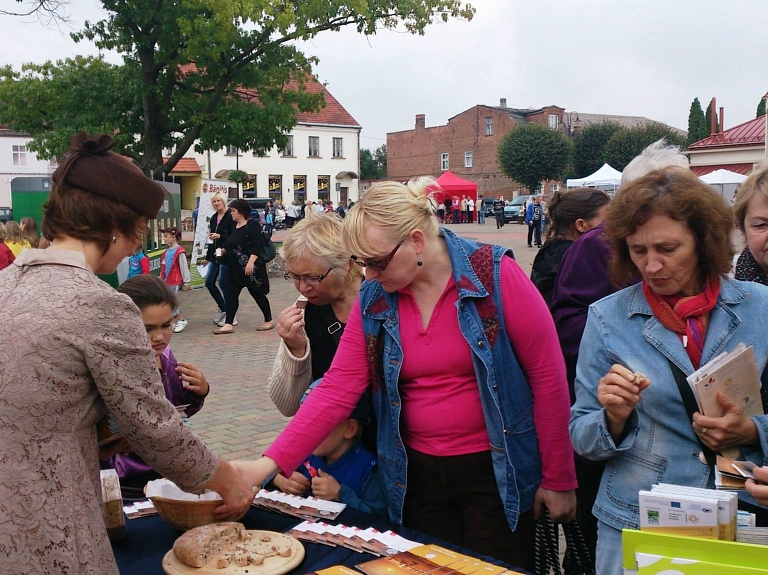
(498, 211)
(533, 219)
(174, 270)
(480, 210)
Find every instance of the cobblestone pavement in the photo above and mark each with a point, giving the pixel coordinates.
(238, 419)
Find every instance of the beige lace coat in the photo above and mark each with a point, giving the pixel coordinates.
(71, 348)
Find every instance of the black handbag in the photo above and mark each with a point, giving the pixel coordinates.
(578, 559)
(267, 251)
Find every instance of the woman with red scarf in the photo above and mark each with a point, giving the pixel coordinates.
(674, 232)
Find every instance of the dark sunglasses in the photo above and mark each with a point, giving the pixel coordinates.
(379, 264)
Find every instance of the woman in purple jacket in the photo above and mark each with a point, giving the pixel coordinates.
(185, 385)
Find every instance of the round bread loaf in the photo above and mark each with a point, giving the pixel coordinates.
(202, 544)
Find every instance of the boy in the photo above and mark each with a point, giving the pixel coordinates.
(341, 469)
(174, 270)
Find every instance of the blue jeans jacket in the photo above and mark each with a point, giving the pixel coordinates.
(659, 444)
(504, 392)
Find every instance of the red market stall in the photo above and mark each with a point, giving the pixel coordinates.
(452, 185)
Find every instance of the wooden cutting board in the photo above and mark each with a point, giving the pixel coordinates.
(272, 565)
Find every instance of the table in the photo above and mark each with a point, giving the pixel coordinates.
(148, 539)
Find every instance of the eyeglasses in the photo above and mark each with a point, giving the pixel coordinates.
(379, 264)
(309, 280)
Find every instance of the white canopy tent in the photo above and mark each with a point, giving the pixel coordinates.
(606, 178)
(725, 182)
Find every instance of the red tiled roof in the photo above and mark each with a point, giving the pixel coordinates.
(185, 166)
(333, 113)
(738, 168)
(747, 134)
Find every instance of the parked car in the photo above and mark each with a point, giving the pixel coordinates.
(515, 210)
(257, 206)
(6, 215)
(488, 207)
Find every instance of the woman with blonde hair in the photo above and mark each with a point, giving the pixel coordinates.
(14, 238)
(318, 265)
(471, 413)
(220, 226)
(751, 213)
(29, 231)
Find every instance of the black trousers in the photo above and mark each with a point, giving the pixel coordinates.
(456, 498)
(534, 229)
(233, 300)
(499, 220)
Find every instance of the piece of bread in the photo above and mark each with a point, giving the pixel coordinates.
(639, 378)
(223, 560)
(241, 558)
(201, 545)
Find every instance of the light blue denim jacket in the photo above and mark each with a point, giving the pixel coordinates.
(504, 391)
(659, 444)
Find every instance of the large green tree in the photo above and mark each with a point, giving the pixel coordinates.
(627, 143)
(761, 108)
(207, 73)
(532, 153)
(708, 120)
(698, 129)
(373, 165)
(589, 147)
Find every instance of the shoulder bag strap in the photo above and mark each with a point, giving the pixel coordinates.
(691, 407)
(335, 329)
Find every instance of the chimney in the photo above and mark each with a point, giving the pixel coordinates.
(720, 128)
(503, 103)
(712, 115)
(420, 121)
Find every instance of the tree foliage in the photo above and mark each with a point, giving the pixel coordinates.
(698, 129)
(761, 108)
(373, 165)
(532, 153)
(589, 147)
(207, 73)
(627, 143)
(708, 119)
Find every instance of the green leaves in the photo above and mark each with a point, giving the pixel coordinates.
(532, 153)
(627, 143)
(208, 73)
(373, 165)
(589, 147)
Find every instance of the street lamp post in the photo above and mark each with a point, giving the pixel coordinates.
(568, 120)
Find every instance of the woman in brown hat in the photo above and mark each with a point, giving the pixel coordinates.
(77, 349)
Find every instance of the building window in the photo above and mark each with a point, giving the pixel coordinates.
(554, 188)
(489, 126)
(553, 121)
(288, 150)
(19, 155)
(467, 159)
(314, 146)
(444, 161)
(324, 188)
(231, 151)
(338, 150)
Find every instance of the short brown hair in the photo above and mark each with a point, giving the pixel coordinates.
(81, 215)
(146, 290)
(242, 207)
(678, 194)
(756, 185)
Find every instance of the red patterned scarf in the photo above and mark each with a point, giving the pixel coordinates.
(686, 316)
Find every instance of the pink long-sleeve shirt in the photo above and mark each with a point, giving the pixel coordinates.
(432, 398)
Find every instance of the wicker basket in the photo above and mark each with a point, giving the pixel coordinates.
(184, 515)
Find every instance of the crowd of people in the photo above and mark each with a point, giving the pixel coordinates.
(534, 404)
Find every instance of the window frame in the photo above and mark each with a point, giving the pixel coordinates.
(444, 161)
(468, 159)
(287, 151)
(489, 125)
(338, 152)
(315, 148)
(19, 154)
(553, 119)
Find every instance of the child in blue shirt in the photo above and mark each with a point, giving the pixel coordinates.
(341, 469)
(138, 263)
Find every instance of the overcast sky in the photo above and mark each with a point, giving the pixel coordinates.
(645, 58)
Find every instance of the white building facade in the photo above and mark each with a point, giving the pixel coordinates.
(17, 160)
(321, 163)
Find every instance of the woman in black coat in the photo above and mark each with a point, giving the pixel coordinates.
(246, 270)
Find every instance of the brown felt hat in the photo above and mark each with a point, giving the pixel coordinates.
(92, 167)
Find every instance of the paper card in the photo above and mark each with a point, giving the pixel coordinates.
(337, 570)
(671, 512)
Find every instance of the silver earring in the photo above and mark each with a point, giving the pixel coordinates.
(114, 239)
(419, 263)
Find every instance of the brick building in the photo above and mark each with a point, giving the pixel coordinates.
(467, 145)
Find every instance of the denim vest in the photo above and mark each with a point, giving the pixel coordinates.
(659, 445)
(504, 392)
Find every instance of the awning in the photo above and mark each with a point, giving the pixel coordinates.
(350, 175)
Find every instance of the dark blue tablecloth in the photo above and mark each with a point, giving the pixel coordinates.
(148, 539)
